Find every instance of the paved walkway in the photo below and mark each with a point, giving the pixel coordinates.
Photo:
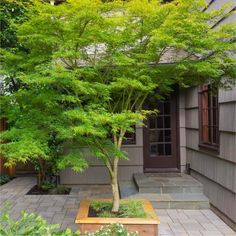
(62, 209)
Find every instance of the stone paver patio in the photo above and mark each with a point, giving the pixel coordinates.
(62, 209)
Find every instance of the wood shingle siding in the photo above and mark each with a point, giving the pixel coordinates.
(217, 171)
(97, 173)
(228, 117)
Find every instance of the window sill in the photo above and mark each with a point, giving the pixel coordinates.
(128, 144)
(209, 147)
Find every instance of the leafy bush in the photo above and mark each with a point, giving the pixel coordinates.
(32, 225)
(46, 185)
(52, 188)
(113, 230)
(59, 190)
(4, 179)
(131, 208)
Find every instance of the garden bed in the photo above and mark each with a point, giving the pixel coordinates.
(91, 220)
(128, 209)
(5, 179)
(60, 190)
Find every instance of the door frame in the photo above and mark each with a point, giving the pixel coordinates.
(175, 93)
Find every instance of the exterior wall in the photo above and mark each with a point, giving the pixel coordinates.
(182, 130)
(97, 172)
(188, 142)
(217, 171)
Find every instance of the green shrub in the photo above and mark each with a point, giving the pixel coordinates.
(29, 225)
(133, 209)
(32, 225)
(59, 190)
(46, 185)
(4, 179)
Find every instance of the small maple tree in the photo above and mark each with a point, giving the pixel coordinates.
(90, 65)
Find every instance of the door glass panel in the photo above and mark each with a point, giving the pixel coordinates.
(167, 122)
(167, 108)
(160, 108)
(153, 149)
(167, 136)
(160, 149)
(167, 149)
(160, 123)
(161, 136)
(154, 135)
(152, 122)
(160, 131)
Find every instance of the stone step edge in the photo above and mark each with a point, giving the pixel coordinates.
(187, 206)
(171, 190)
(152, 198)
(170, 186)
(200, 185)
(134, 193)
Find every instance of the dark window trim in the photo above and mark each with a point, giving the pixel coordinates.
(203, 144)
(209, 146)
(131, 140)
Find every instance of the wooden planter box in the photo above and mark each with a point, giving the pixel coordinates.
(145, 227)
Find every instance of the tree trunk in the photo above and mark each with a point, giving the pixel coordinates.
(116, 195)
(40, 179)
(57, 180)
(115, 188)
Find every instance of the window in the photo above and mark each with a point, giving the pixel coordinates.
(129, 138)
(208, 118)
(160, 132)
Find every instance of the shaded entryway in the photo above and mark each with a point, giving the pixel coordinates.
(160, 136)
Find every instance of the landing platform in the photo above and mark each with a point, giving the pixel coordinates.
(166, 191)
(167, 183)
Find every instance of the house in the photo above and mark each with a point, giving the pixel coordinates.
(195, 131)
(194, 128)
(211, 140)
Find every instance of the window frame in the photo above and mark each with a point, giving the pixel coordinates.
(132, 140)
(210, 144)
(127, 140)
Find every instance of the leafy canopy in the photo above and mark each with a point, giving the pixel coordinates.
(88, 66)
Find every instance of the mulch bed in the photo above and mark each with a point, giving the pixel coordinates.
(39, 191)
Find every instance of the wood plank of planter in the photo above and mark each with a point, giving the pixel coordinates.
(143, 230)
(145, 226)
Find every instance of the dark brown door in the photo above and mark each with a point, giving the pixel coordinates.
(160, 137)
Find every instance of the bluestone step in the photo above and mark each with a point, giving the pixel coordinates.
(163, 183)
(165, 201)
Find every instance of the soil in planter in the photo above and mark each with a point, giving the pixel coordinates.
(53, 191)
(128, 209)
